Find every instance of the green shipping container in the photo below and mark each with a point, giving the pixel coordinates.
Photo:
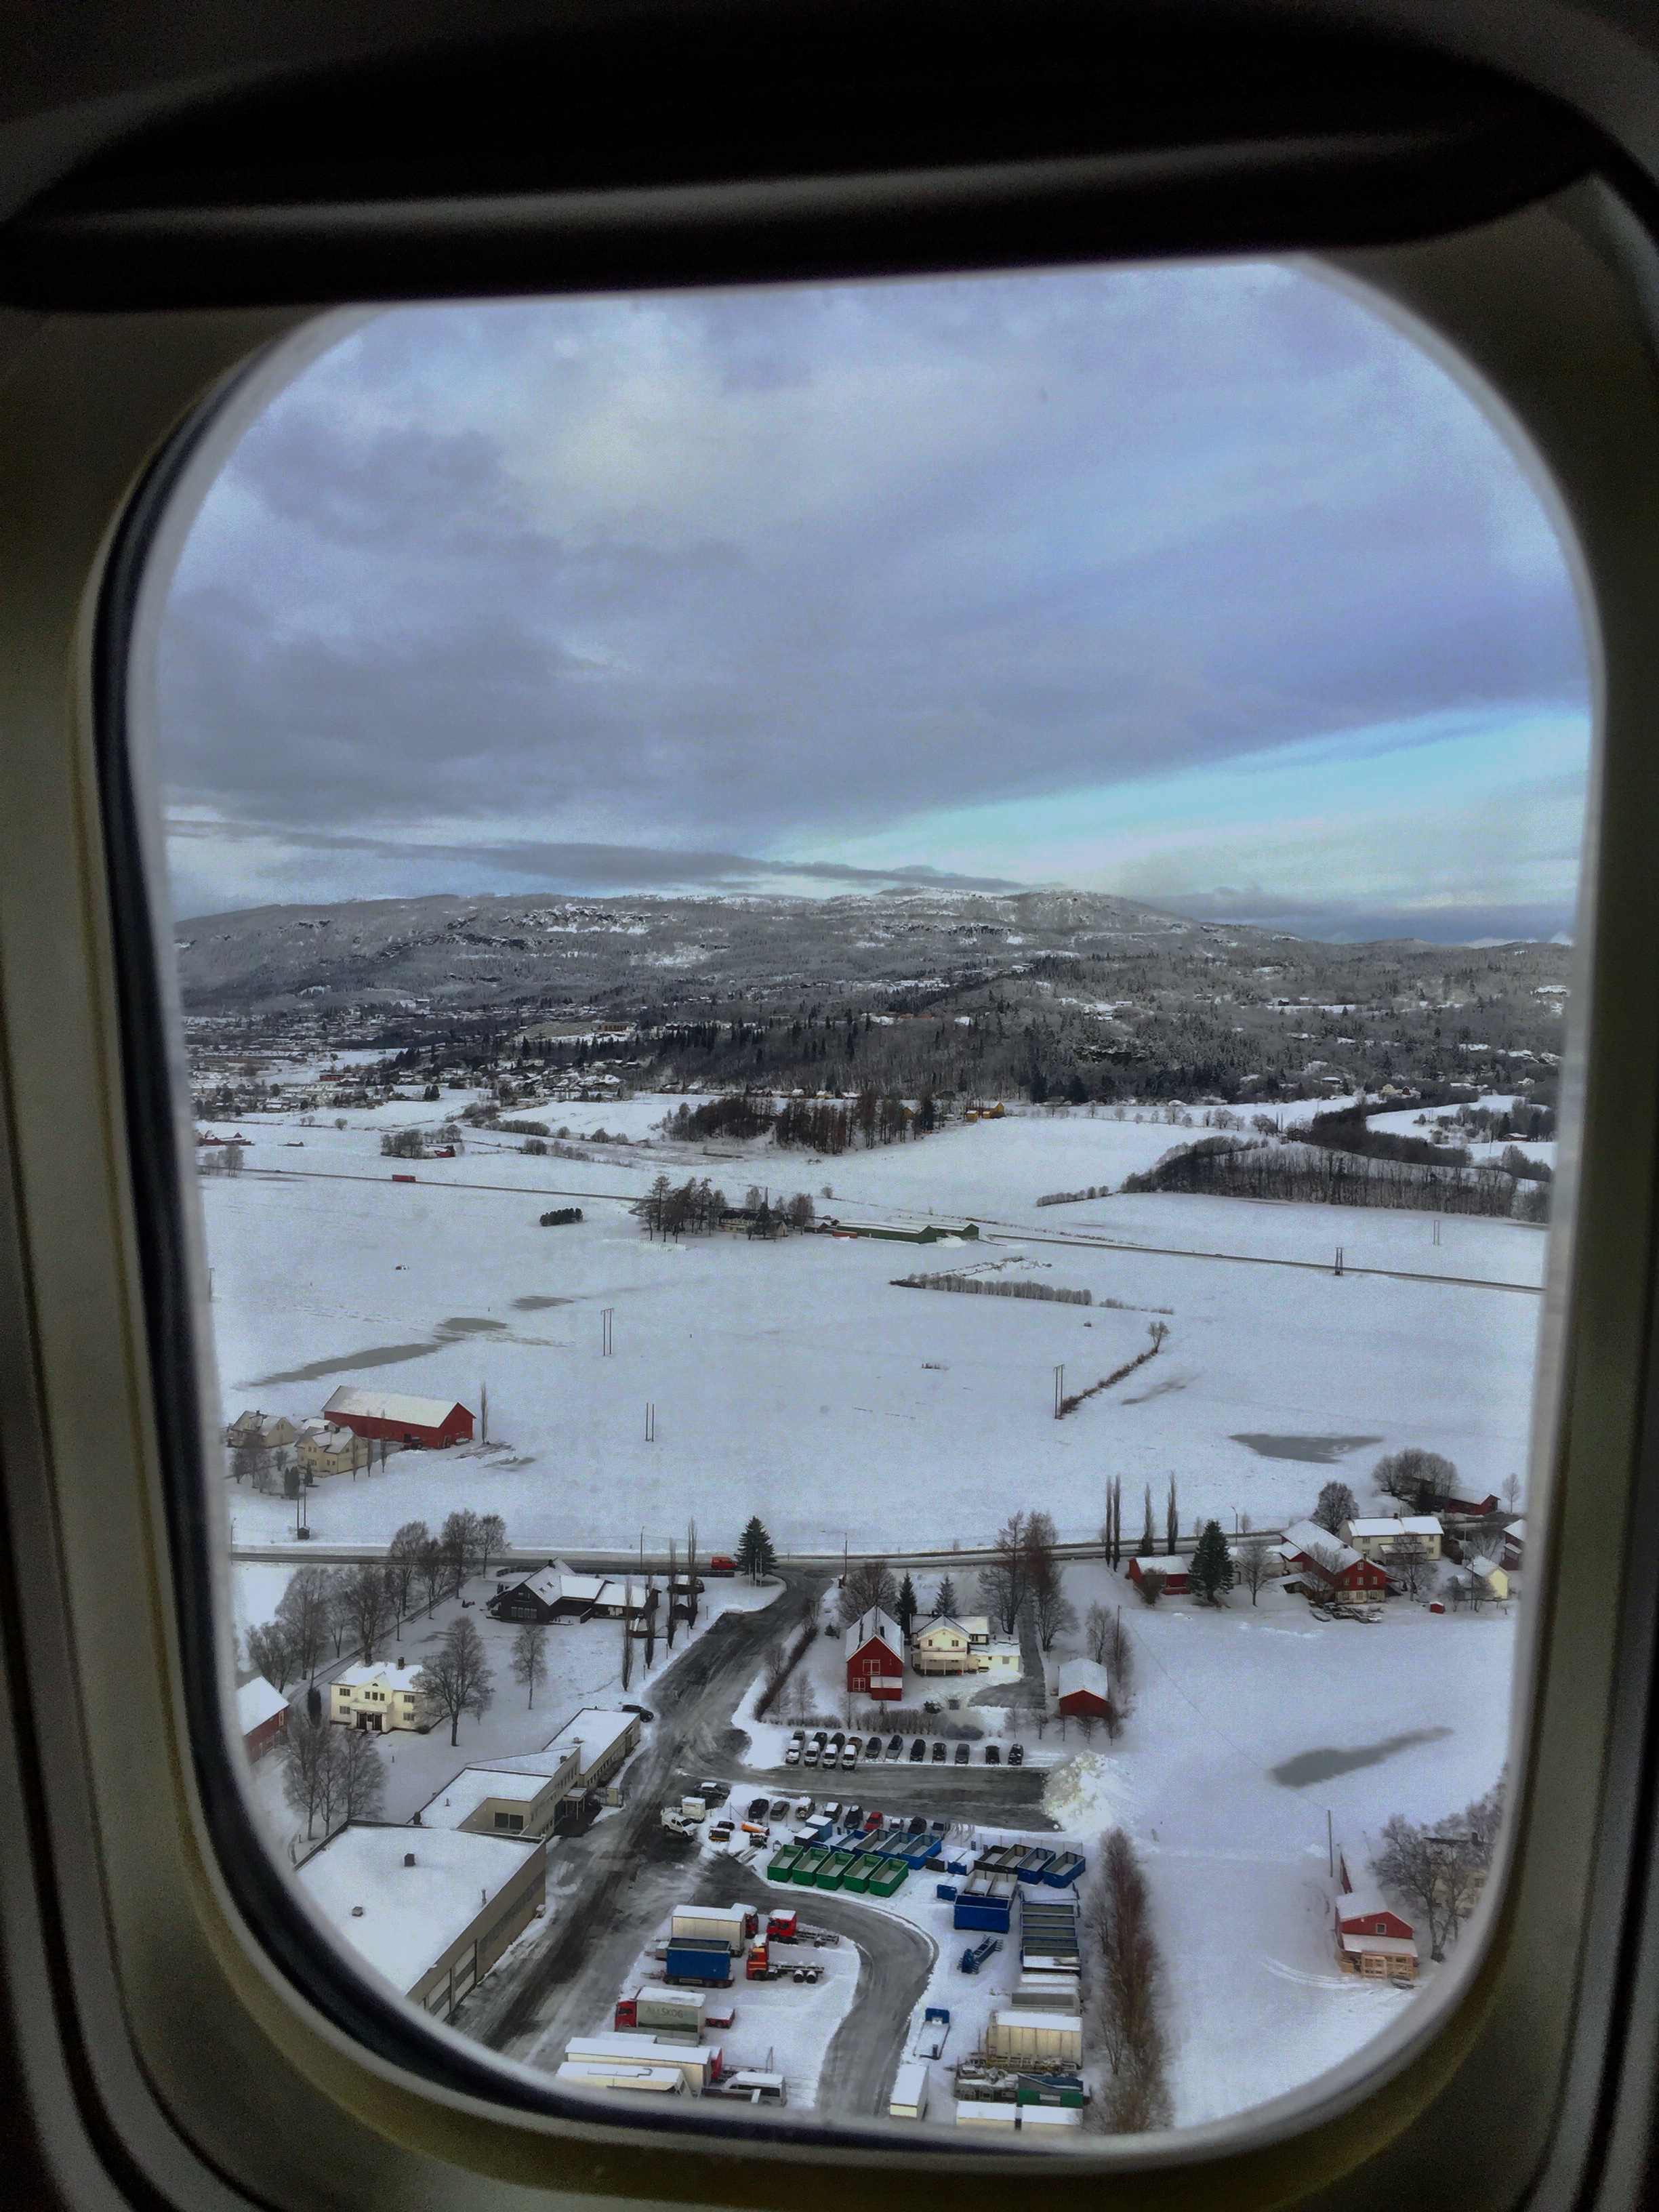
(783, 1865)
(806, 1866)
(890, 1874)
(857, 1876)
(833, 1872)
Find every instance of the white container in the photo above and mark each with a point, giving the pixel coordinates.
(1038, 2119)
(1036, 2035)
(997, 2119)
(613, 2046)
(653, 2080)
(909, 2099)
(712, 1924)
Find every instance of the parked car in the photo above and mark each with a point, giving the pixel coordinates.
(853, 1817)
(931, 1706)
(895, 1743)
(918, 1826)
(838, 1739)
(820, 1737)
(940, 1827)
(940, 1750)
(919, 1748)
(644, 1711)
(804, 1808)
(791, 1756)
(993, 1755)
(1016, 1755)
(872, 1749)
(961, 1754)
(849, 1758)
(873, 1821)
(814, 1752)
(757, 1808)
(799, 1736)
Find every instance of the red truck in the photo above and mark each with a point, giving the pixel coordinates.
(783, 1928)
(719, 1565)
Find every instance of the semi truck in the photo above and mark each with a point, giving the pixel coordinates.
(699, 2062)
(655, 2006)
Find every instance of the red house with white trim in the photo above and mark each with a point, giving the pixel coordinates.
(432, 1423)
(262, 1715)
(875, 1656)
(1329, 1571)
(1086, 1691)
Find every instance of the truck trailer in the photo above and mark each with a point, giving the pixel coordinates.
(731, 1924)
(699, 2062)
(1045, 2035)
(704, 1964)
(656, 2006)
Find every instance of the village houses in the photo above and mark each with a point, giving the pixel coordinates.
(961, 1645)
(874, 1647)
(379, 1697)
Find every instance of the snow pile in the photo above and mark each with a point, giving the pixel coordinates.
(1085, 1794)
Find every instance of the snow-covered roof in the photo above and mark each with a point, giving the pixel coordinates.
(1318, 1544)
(1063, 2021)
(1385, 1526)
(256, 1701)
(459, 1800)
(1517, 1531)
(1077, 1674)
(380, 1405)
(942, 1620)
(597, 1731)
(1165, 1562)
(546, 1585)
(1422, 1525)
(1483, 1566)
(411, 1915)
(396, 1673)
(1365, 1904)
(331, 1436)
(870, 1626)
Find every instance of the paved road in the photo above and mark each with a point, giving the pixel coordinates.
(608, 1886)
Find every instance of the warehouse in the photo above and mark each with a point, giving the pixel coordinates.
(416, 1423)
(429, 1911)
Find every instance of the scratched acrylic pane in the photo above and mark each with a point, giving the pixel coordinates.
(874, 981)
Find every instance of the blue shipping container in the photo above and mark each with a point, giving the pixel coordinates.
(688, 1961)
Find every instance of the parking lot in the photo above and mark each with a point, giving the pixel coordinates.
(843, 1752)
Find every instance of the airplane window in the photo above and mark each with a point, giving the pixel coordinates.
(875, 981)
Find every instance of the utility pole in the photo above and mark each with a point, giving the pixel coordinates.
(606, 1313)
(1060, 1389)
(1330, 1844)
(484, 1412)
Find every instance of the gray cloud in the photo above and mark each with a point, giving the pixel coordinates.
(760, 570)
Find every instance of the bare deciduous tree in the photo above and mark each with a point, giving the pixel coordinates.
(529, 1658)
(270, 1652)
(458, 1679)
(360, 1790)
(869, 1584)
(1252, 1563)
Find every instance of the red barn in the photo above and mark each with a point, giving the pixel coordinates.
(1172, 1568)
(1372, 1938)
(432, 1422)
(261, 1715)
(875, 1656)
(1086, 1691)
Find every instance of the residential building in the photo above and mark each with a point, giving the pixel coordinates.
(1329, 1572)
(430, 1911)
(275, 1430)
(262, 1714)
(1515, 1547)
(378, 1696)
(874, 1648)
(434, 1423)
(960, 1643)
(1479, 1574)
(1085, 1690)
(1384, 1537)
(323, 1448)
(1171, 1565)
(556, 1596)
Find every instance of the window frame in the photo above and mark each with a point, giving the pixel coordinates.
(1550, 313)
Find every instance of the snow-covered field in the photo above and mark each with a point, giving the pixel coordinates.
(794, 1381)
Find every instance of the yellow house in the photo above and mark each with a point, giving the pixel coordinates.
(961, 1645)
(275, 1430)
(325, 1449)
(379, 1698)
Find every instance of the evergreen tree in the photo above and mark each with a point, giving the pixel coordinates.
(755, 1553)
(909, 1605)
(945, 1598)
(1148, 1541)
(1211, 1575)
(1172, 1519)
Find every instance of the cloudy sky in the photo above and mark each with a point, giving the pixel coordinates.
(1198, 585)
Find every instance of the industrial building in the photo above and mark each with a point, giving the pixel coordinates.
(429, 1911)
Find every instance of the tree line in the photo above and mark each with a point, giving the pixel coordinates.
(1125, 2002)
(326, 1611)
(1230, 1167)
(819, 1125)
(695, 1207)
(984, 1287)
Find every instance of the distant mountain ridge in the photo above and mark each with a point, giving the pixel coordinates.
(471, 952)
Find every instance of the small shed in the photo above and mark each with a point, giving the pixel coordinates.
(261, 1713)
(1172, 1567)
(1085, 1690)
